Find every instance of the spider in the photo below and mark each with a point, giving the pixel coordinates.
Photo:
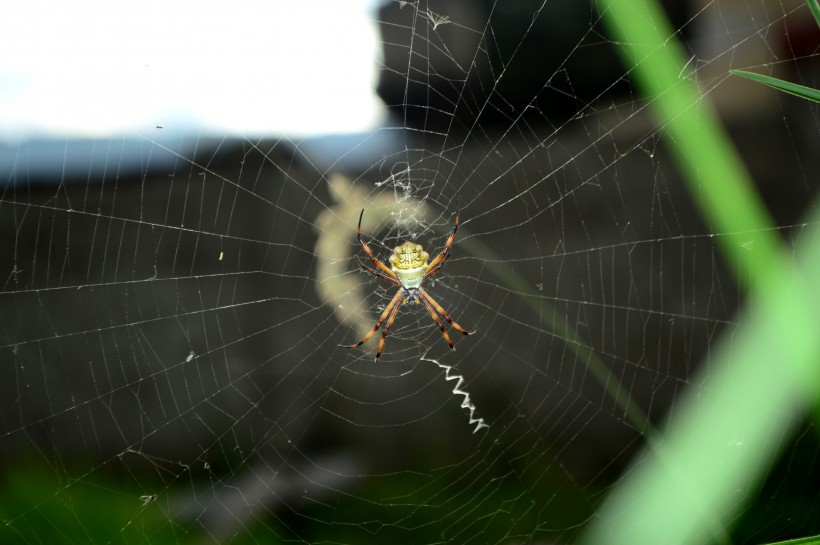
(409, 269)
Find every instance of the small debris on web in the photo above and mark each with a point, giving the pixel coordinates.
(436, 19)
(148, 498)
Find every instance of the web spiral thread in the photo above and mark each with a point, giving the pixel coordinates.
(467, 403)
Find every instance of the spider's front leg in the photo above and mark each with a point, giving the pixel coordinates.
(393, 315)
(387, 311)
(426, 298)
(438, 323)
(433, 307)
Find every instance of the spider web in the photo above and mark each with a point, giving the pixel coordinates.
(169, 325)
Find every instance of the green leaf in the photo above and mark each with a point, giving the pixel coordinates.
(815, 10)
(815, 540)
(792, 88)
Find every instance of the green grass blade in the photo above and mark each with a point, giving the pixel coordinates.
(730, 425)
(788, 87)
(814, 6)
(718, 179)
(814, 540)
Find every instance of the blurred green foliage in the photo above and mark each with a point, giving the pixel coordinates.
(38, 507)
(726, 432)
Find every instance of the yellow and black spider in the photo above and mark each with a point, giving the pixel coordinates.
(409, 269)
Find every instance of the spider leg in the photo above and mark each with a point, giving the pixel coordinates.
(379, 275)
(369, 252)
(438, 323)
(442, 258)
(426, 298)
(394, 303)
(390, 320)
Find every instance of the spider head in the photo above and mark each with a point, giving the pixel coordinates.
(411, 295)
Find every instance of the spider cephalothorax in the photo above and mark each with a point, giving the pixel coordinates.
(409, 269)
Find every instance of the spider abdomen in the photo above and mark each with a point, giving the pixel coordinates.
(409, 262)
